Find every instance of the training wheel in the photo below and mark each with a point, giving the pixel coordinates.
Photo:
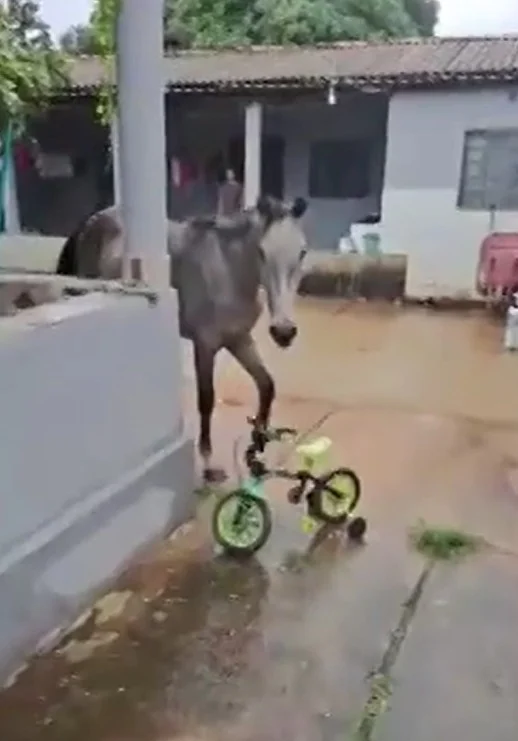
(356, 528)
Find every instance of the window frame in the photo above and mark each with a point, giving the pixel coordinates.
(490, 136)
(366, 142)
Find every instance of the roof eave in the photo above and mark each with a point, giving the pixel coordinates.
(381, 83)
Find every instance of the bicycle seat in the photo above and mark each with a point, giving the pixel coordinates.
(315, 449)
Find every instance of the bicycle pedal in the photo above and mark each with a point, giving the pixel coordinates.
(294, 495)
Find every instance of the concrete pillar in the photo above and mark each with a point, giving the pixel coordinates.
(116, 159)
(253, 128)
(141, 85)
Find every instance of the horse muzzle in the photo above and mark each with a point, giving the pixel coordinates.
(283, 334)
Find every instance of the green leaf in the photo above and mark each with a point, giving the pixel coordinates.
(30, 67)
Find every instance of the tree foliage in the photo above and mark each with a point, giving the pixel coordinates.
(103, 23)
(30, 67)
(80, 39)
(218, 23)
(213, 23)
(424, 13)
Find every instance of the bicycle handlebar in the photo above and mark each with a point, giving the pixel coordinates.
(262, 436)
(259, 440)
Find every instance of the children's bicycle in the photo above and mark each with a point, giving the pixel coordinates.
(242, 519)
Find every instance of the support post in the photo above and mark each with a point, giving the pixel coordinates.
(253, 127)
(141, 86)
(116, 158)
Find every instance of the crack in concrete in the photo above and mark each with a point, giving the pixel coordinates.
(380, 679)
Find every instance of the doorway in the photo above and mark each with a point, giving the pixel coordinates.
(272, 163)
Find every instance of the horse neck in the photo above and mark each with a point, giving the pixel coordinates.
(245, 266)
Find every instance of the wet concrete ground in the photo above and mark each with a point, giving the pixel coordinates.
(192, 646)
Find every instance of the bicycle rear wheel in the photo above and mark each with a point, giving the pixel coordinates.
(336, 496)
(241, 523)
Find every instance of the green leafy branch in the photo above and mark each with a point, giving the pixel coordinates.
(104, 31)
(30, 67)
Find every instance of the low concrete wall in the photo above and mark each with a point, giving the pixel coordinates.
(95, 460)
(30, 252)
(354, 275)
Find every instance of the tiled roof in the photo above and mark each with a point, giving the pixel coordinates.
(400, 63)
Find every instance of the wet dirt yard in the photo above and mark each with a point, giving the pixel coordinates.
(191, 646)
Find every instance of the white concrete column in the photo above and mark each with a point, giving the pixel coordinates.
(141, 85)
(116, 160)
(253, 129)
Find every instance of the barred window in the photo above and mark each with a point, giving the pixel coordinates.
(489, 177)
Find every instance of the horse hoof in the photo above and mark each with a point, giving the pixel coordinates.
(214, 475)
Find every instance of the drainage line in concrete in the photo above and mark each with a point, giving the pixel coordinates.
(380, 688)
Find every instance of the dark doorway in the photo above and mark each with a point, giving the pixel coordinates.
(272, 166)
(272, 163)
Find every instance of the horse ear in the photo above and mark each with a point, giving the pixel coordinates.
(299, 207)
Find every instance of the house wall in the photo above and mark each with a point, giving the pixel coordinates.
(353, 117)
(95, 459)
(299, 124)
(422, 174)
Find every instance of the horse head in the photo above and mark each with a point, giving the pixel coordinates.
(282, 248)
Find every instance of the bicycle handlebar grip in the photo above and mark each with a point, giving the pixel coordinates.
(272, 433)
(282, 431)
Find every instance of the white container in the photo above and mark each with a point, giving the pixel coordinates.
(346, 245)
(511, 329)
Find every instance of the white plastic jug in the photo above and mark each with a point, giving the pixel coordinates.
(511, 329)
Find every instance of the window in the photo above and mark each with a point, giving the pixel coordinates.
(54, 165)
(340, 169)
(489, 177)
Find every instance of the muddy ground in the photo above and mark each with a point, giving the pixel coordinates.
(315, 637)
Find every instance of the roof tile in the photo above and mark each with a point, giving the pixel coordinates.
(396, 62)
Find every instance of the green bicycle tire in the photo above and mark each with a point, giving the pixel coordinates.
(224, 538)
(317, 507)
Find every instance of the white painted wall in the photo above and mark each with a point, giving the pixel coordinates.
(96, 460)
(423, 164)
(353, 117)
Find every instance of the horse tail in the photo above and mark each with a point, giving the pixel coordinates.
(67, 263)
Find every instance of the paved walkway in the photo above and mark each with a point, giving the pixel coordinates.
(314, 637)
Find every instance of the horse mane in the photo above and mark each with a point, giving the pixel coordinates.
(224, 225)
(269, 208)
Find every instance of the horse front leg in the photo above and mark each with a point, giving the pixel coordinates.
(204, 367)
(246, 353)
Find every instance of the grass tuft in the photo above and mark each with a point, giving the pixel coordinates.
(376, 706)
(443, 543)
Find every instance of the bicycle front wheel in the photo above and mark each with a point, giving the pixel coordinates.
(241, 523)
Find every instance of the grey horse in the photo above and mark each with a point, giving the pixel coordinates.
(218, 265)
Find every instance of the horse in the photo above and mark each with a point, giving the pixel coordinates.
(218, 265)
